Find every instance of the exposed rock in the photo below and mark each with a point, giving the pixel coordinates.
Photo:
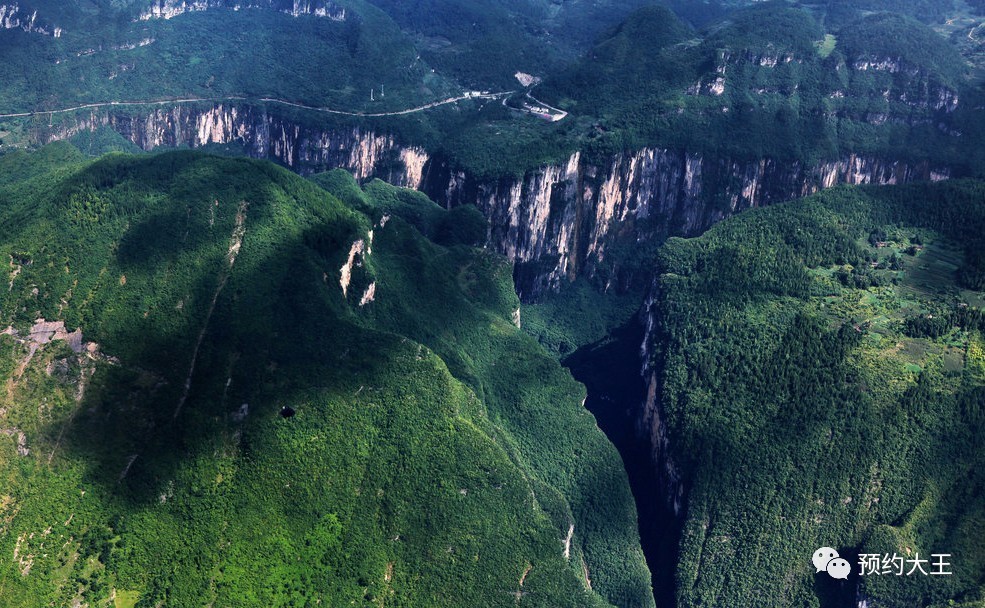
(169, 9)
(12, 16)
(558, 221)
(355, 252)
(302, 148)
(369, 295)
(561, 221)
(22, 448)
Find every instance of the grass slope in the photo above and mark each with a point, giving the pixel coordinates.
(437, 456)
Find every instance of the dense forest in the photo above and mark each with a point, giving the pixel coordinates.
(821, 371)
(773, 81)
(262, 395)
(224, 384)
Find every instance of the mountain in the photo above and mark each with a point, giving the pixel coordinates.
(668, 129)
(484, 41)
(815, 378)
(223, 384)
(169, 50)
(247, 386)
(832, 11)
(769, 81)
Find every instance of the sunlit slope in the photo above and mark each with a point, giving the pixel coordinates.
(186, 301)
(820, 364)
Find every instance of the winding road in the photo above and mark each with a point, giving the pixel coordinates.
(109, 104)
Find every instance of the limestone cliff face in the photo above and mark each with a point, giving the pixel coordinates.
(168, 9)
(301, 148)
(578, 217)
(12, 16)
(583, 218)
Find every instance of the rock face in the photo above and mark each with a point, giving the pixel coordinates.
(168, 9)
(580, 217)
(12, 16)
(650, 419)
(263, 135)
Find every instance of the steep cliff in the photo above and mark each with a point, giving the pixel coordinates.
(168, 9)
(12, 16)
(795, 395)
(580, 217)
(593, 218)
(260, 134)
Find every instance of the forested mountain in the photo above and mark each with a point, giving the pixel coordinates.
(792, 82)
(772, 81)
(835, 11)
(223, 385)
(819, 366)
(346, 377)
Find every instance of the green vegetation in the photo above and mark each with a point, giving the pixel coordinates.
(485, 42)
(310, 60)
(769, 81)
(827, 46)
(577, 316)
(896, 37)
(925, 10)
(820, 375)
(436, 456)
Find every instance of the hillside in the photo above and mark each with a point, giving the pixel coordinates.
(107, 53)
(817, 369)
(834, 12)
(225, 386)
(771, 81)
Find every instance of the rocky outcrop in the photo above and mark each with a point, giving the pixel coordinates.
(168, 9)
(579, 217)
(302, 148)
(12, 16)
(584, 218)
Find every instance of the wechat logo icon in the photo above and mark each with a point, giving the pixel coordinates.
(827, 560)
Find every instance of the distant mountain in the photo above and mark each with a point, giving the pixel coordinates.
(833, 12)
(488, 41)
(771, 80)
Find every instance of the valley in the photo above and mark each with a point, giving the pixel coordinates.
(517, 303)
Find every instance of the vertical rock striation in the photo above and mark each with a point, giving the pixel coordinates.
(579, 217)
(584, 218)
(304, 149)
(169, 9)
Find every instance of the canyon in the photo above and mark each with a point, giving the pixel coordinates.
(578, 217)
(581, 217)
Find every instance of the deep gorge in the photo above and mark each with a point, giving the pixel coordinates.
(609, 370)
(575, 218)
